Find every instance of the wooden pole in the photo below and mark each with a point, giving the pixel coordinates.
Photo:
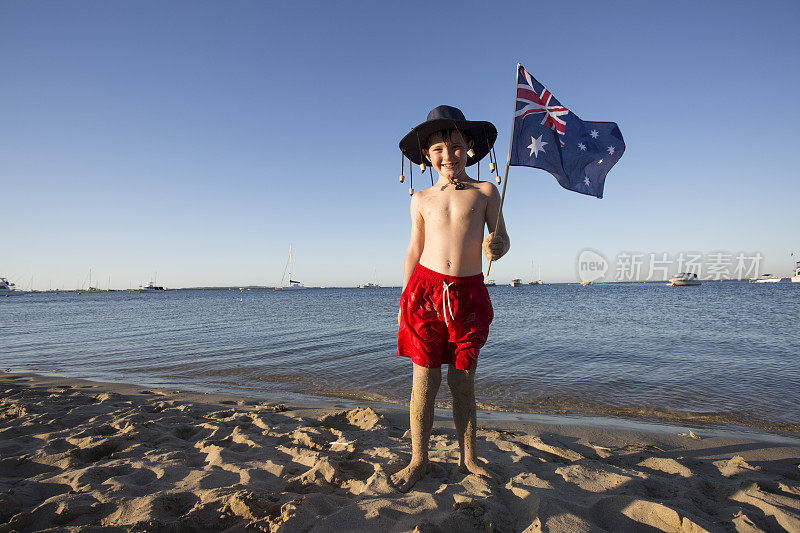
(508, 163)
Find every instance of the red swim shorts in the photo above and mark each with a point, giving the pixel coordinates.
(443, 319)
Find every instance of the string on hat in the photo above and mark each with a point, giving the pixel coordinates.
(470, 152)
(410, 178)
(492, 158)
(422, 158)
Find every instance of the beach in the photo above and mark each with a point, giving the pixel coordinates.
(80, 456)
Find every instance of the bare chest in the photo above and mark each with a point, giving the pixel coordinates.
(454, 207)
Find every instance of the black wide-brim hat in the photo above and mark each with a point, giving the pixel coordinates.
(445, 117)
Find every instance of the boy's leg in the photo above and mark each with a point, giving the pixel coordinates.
(423, 393)
(462, 388)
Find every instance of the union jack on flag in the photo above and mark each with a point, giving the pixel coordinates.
(549, 136)
(539, 102)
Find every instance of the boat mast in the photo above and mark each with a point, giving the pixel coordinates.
(290, 264)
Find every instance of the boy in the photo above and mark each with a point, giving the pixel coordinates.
(445, 310)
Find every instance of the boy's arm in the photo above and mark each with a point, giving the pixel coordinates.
(415, 245)
(417, 242)
(497, 243)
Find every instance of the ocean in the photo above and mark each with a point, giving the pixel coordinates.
(723, 354)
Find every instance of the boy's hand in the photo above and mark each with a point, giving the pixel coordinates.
(494, 247)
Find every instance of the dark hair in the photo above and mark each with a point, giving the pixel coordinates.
(447, 136)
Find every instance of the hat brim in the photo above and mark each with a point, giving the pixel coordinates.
(482, 133)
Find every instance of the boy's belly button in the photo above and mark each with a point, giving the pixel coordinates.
(449, 264)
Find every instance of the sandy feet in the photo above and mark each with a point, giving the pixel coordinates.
(405, 479)
(475, 468)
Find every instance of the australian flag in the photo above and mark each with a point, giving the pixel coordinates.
(549, 136)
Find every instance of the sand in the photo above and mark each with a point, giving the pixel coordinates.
(82, 456)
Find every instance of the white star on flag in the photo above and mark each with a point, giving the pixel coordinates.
(594, 134)
(586, 180)
(610, 150)
(536, 146)
(582, 147)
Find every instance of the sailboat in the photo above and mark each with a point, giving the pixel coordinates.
(92, 289)
(293, 285)
(538, 281)
(371, 284)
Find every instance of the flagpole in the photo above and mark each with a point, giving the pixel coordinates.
(508, 162)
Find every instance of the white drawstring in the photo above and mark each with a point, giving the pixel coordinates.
(446, 305)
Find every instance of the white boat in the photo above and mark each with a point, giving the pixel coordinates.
(8, 289)
(372, 284)
(489, 283)
(767, 278)
(538, 281)
(684, 279)
(293, 285)
(92, 289)
(796, 277)
(516, 282)
(151, 287)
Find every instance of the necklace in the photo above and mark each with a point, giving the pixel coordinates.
(459, 185)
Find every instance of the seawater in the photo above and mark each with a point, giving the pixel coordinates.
(719, 354)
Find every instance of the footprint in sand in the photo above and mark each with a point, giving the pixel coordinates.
(168, 507)
(22, 467)
(625, 513)
(185, 431)
(98, 452)
(358, 418)
(359, 470)
(98, 474)
(141, 477)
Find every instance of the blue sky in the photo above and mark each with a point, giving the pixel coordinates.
(199, 139)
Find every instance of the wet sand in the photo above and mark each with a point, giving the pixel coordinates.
(79, 455)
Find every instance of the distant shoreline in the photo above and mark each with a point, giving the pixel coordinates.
(267, 287)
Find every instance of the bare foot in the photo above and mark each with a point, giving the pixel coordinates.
(407, 477)
(473, 467)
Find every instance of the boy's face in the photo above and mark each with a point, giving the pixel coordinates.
(447, 154)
